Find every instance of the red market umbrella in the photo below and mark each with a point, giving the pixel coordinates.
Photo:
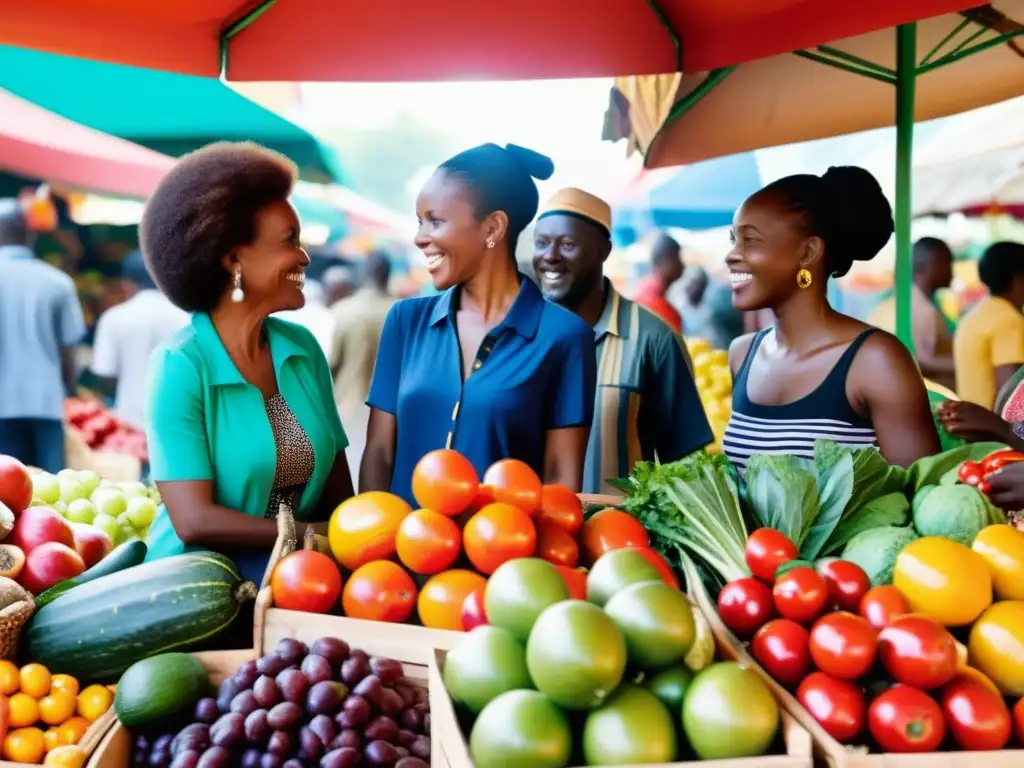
(401, 40)
(42, 145)
(949, 61)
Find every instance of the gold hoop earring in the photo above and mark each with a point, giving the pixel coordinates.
(237, 294)
(804, 279)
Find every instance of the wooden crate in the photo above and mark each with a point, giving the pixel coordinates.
(91, 740)
(456, 750)
(830, 751)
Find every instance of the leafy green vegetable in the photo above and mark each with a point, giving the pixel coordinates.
(893, 509)
(783, 494)
(692, 503)
(875, 551)
(835, 489)
(955, 512)
(929, 470)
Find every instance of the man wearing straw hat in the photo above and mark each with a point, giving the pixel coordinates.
(647, 403)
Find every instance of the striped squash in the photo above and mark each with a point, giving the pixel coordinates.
(100, 628)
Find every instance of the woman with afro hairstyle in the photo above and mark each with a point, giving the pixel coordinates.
(817, 374)
(487, 367)
(240, 406)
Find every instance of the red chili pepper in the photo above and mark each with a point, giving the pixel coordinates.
(1000, 459)
(984, 486)
(970, 472)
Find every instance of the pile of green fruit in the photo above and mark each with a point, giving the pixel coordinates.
(626, 677)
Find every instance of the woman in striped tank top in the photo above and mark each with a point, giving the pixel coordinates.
(816, 373)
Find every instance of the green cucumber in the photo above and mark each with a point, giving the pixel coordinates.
(160, 688)
(128, 555)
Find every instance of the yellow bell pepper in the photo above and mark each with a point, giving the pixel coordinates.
(943, 580)
(1002, 546)
(996, 646)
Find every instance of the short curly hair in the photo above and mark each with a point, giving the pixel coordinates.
(204, 208)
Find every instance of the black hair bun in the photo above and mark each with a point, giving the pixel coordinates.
(534, 163)
(861, 216)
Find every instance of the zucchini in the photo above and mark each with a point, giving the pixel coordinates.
(158, 689)
(127, 555)
(100, 628)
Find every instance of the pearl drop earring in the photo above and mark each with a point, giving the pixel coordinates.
(237, 294)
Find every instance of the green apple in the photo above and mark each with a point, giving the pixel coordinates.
(80, 511)
(109, 501)
(45, 487)
(107, 524)
(141, 511)
(131, 489)
(89, 479)
(71, 488)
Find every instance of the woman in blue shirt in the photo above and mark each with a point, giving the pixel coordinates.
(486, 367)
(240, 405)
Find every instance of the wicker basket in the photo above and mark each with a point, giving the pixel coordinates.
(13, 619)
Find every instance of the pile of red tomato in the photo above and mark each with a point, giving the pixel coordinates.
(859, 662)
(432, 563)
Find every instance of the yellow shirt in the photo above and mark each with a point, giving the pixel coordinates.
(989, 336)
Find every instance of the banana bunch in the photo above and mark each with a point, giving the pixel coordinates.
(714, 383)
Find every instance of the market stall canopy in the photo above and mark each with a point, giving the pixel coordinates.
(41, 145)
(167, 112)
(398, 40)
(794, 97)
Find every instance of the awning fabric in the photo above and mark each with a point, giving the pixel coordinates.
(399, 40)
(167, 112)
(41, 145)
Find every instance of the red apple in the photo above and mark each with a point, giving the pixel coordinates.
(15, 484)
(91, 543)
(49, 564)
(39, 525)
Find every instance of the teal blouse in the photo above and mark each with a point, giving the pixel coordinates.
(205, 422)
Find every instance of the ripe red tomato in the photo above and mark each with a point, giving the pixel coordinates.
(918, 651)
(556, 545)
(306, 581)
(575, 580)
(514, 482)
(379, 591)
(444, 481)
(767, 549)
(847, 583)
(978, 718)
(428, 542)
(561, 506)
(843, 645)
(442, 598)
(781, 646)
(473, 613)
(496, 534)
(15, 484)
(612, 529)
(837, 705)
(745, 605)
(880, 605)
(655, 558)
(1018, 719)
(800, 594)
(906, 719)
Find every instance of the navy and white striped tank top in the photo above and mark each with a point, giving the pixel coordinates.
(824, 414)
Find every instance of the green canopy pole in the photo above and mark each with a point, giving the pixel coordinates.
(906, 74)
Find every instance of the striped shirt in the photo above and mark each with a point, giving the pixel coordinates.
(646, 404)
(825, 414)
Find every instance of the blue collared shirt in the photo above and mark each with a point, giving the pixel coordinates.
(39, 314)
(536, 371)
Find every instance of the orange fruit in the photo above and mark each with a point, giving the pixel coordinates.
(57, 707)
(73, 730)
(428, 542)
(496, 534)
(444, 481)
(24, 711)
(561, 506)
(66, 756)
(612, 529)
(515, 482)
(576, 581)
(51, 738)
(94, 701)
(10, 682)
(379, 591)
(556, 545)
(25, 745)
(363, 528)
(442, 597)
(35, 680)
(64, 683)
